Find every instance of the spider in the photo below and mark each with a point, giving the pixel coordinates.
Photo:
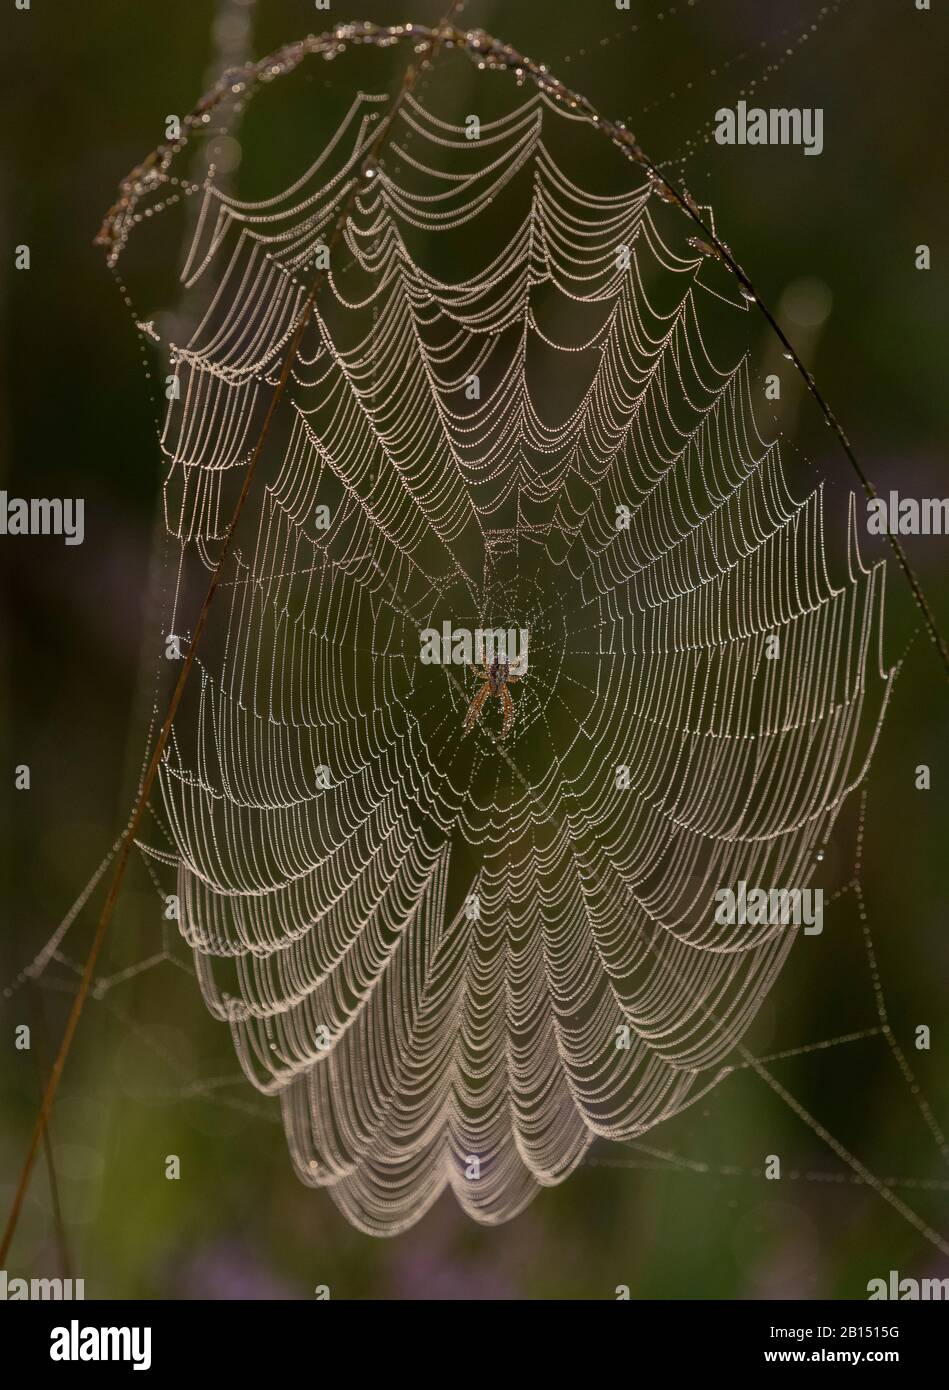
(495, 681)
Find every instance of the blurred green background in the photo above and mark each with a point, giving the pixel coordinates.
(86, 95)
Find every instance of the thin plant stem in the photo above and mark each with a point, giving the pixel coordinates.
(41, 1053)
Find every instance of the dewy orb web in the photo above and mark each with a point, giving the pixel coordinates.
(515, 407)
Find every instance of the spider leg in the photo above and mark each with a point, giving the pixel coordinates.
(508, 711)
(474, 709)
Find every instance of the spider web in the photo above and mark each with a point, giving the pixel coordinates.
(429, 958)
(415, 1045)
